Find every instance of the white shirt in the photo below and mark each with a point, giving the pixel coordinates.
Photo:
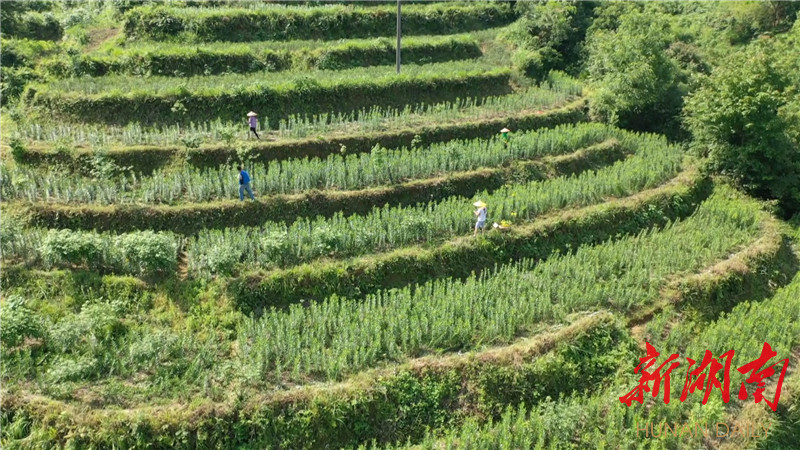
(482, 214)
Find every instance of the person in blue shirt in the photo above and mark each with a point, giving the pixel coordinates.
(244, 184)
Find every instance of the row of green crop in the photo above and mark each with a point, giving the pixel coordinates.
(604, 421)
(180, 61)
(276, 244)
(149, 158)
(192, 218)
(336, 172)
(326, 22)
(165, 100)
(556, 90)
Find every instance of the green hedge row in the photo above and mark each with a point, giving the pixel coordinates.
(567, 230)
(146, 159)
(189, 61)
(324, 23)
(190, 219)
(309, 97)
(33, 25)
(392, 407)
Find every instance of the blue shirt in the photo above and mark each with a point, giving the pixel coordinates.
(244, 177)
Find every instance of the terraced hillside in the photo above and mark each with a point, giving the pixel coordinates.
(350, 305)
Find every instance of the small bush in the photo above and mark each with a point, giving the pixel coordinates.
(220, 259)
(87, 332)
(146, 252)
(72, 369)
(19, 322)
(18, 150)
(65, 247)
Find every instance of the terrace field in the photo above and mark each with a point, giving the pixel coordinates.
(352, 303)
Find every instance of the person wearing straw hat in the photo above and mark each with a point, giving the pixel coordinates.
(253, 119)
(481, 214)
(504, 133)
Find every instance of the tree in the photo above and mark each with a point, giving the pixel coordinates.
(633, 81)
(744, 118)
(549, 35)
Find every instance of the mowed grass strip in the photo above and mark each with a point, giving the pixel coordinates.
(166, 100)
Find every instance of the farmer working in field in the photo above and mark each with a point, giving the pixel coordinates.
(244, 184)
(253, 119)
(481, 213)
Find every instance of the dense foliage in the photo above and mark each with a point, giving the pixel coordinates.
(746, 118)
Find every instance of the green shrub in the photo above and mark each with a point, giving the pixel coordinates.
(146, 252)
(536, 64)
(746, 119)
(635, 81)
(34, 25)
(19, 322)
(72, 369)
(13, 82)
(218, 260)
(87, 332)
(66, 247)
(18, 150)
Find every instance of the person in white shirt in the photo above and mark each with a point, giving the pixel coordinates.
(481, 214)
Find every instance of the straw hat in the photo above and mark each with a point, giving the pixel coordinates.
(479, 204)
(251, 114)
(505, 130)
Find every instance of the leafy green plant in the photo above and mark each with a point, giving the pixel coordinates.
(18, 150)
(19, 322)
(60, 247)
(146, 252)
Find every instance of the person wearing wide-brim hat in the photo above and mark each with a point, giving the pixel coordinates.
(481, 214)
(253, 119)
(504, 133)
